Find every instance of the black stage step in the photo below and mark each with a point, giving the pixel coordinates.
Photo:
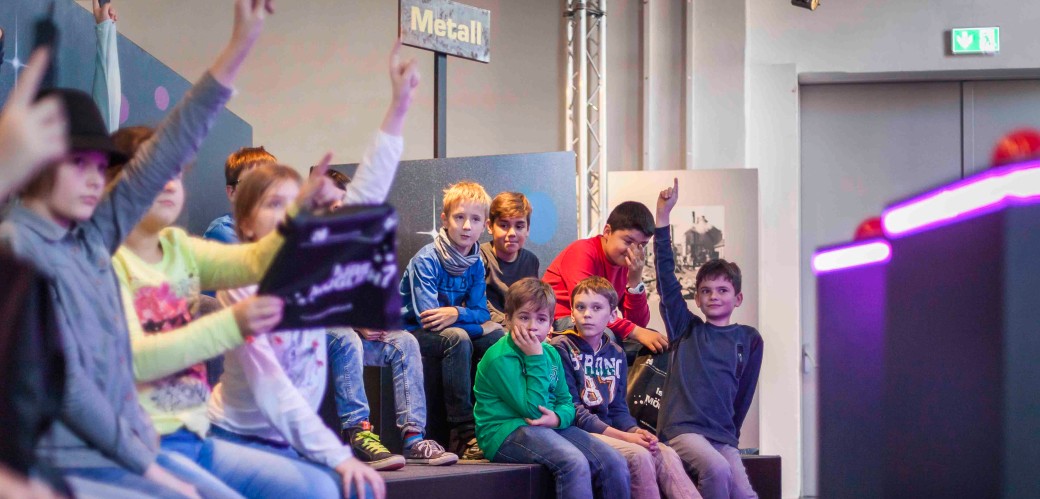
(464, 480)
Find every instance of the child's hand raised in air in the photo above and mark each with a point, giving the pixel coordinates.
(548, 419)
(525, 340)
(249, 23)
(104, 13)
(404, 77)
(318, 193)
(665, 202)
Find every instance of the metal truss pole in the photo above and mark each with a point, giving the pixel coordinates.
(586, 108)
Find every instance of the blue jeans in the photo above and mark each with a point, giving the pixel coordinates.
(113, 482)
(580, 463)
(320, 481)
(458, 353)
(349, 353)
(251, 472)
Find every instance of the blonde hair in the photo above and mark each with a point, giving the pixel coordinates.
(251, 190)
(510, 205)
(464, 191)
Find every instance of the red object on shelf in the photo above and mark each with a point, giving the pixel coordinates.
(869, 229)
(1018, 145)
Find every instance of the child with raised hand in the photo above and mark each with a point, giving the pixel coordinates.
(161, 270)
(597, 375)
(714, 369)
(524, 410)
(445, 306)
(271, 387)
(68, 227)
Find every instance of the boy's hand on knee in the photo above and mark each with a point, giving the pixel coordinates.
(665, 202)
(549, 419)
(651, 339)
(356, 475)
(436, 319)
(525, 340)
(646, 439)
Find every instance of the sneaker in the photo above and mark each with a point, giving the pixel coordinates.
(429, 452)
(473, 452)
(463, 441)
(370, 450)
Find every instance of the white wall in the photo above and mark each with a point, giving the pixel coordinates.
(317, 80)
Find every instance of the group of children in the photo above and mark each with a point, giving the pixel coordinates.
(124, 295)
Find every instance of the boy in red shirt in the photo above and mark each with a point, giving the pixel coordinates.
(616, 255)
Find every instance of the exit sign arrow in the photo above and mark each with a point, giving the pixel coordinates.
(975, 40)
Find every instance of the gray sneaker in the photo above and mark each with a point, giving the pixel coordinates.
(429, 452)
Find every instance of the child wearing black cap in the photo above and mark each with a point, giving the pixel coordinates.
(68, 227)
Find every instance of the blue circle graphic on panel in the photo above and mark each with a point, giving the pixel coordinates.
(543, 217)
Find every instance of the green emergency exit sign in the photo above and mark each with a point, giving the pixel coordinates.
(975, 40)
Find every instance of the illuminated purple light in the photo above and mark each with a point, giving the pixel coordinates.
(856, 255)
(968, 198)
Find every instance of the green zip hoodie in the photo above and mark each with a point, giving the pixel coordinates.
(510, 386)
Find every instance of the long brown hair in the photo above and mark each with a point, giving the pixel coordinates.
(252, 187)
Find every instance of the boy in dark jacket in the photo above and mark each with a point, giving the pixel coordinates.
(714, 367)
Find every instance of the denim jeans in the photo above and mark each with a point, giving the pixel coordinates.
(349, 353)
(251, 472)
(458, 353)
(580, 463)
(320, 481)
(113, 482)
(720, 471)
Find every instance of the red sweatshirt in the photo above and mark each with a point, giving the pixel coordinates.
(585, 258)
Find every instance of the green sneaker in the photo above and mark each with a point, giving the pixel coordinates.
(367, 447)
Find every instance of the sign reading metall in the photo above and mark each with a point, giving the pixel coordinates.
(448, 27)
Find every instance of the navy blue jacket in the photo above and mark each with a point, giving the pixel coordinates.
(597, 378)
(713, 371)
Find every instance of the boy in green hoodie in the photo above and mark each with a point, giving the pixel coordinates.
(524, 408)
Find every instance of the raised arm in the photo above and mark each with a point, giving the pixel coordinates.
(107, 90)
(178, 137)
(677, 317)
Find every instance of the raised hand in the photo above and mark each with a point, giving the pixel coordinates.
(105, 12)
(525, 340)
(548, 419)
(32, 134)
(665, 202)
(258, 314)
(404, 78)
(249, 23)
(318, 192)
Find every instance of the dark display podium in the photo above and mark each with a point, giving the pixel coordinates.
(930, 361)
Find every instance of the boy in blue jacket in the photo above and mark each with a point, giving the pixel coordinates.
(714, 369)
(445, 306)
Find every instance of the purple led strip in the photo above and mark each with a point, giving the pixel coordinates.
(876, 251)
(971, 197)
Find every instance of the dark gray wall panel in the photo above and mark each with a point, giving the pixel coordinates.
(144, 79)
(547, 179)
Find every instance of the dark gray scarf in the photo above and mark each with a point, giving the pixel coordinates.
(453, 261)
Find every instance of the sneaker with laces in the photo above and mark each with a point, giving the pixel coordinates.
(473, 451)
(367, 447)
(463, 441)
(429, 452)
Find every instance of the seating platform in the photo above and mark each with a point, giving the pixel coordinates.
(465, 480)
